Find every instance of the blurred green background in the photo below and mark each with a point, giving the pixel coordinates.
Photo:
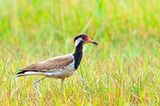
(124, 69)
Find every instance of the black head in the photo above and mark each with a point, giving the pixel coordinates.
(83, 38)
(80, 36)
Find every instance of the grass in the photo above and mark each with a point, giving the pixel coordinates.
(123, 70)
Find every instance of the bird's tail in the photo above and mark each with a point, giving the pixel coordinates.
(28, 72)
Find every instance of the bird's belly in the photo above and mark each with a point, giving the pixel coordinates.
(59, 73)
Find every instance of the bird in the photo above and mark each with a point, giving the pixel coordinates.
(59, 67)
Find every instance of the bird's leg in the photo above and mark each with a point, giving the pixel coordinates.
(62, 83)
(36, 82)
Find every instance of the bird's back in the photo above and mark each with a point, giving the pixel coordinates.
(51, 64)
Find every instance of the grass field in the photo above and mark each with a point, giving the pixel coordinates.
(123, 70)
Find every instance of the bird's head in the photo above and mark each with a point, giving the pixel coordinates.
(83, 38)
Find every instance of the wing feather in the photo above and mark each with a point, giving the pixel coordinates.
(50, 64)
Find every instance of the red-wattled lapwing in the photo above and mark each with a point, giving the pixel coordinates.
(59, 67)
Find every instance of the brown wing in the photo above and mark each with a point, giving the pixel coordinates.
(50, 64)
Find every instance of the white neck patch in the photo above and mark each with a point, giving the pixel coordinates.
(78, 41)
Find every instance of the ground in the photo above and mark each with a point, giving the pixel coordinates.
(123, 69)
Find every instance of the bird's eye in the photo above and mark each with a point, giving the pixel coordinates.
(84, 38)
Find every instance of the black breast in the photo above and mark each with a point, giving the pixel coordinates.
(78, 54)
(77, 58)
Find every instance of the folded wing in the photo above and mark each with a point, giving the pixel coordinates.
(49, 64)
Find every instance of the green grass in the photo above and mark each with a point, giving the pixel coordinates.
(123, 70)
